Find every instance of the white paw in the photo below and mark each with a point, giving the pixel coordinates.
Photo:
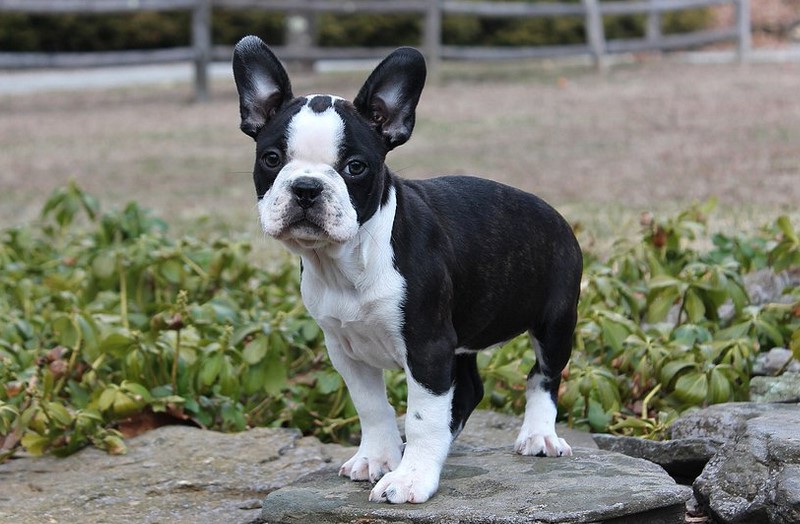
(398, 487)
(542, 445)
(366, 465)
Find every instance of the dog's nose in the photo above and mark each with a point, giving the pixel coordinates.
(306, 191)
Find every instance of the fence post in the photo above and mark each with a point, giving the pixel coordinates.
(595, 33)
(201, 44)
(743, 27)
(433, 37)
(300, 37)
(653, 28)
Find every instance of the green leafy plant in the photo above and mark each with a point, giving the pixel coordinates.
(106, 320)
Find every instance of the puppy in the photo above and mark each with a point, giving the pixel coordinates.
(410, 274)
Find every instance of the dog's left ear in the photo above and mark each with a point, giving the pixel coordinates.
(388, 99)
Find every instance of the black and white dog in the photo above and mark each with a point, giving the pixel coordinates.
(416, 275)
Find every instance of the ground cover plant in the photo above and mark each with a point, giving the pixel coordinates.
(109, 324)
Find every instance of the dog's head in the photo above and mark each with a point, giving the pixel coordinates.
(319, 170)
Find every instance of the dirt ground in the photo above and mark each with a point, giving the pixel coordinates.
(600, 147)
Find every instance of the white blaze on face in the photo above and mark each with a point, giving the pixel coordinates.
(313, 142)
(315, 137)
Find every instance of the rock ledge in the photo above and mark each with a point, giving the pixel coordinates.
(495, 485)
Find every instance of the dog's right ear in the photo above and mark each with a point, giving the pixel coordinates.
(262, 83)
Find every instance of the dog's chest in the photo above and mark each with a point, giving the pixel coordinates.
(364, 323)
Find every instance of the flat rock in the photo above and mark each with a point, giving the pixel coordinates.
(180, 474)
(724, 422)
(684, 459)
(495, 485)
(783, 388)
(173, 474)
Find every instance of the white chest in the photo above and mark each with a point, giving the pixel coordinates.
(356, 294)
(364, 324)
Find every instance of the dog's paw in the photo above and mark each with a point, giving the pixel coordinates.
(370, 466)
(398, 487)
(542, 445)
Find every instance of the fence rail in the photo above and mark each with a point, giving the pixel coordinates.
(202, 51)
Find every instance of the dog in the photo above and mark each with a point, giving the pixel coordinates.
(412, 274)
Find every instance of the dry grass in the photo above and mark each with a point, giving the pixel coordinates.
(602, 148)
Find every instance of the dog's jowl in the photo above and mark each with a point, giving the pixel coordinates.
(417, 275)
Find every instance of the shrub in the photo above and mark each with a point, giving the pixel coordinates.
(153, 30)
(105, 319)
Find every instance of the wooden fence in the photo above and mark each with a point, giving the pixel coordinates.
(202, 51)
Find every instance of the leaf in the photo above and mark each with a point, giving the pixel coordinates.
(115, 445)
(733, 332)
(255, 350)
(116, 344)
(509, 373)
(614, 335)
(692, 388)
(124, 405)
(172, 271)
(785, 225)
(210, 370)
(65, 331)
(599, 419)
(137, 389)
(691, 334)
(35, 444)
(694, 307)
(719, 387)
(104, 264)
(660, 304)
(59, 413)
(229, 385)
(106, 398)
(328, 382)
(608, 394)
(672, 369)
(770, 331)
(664, 281)
(276, 374)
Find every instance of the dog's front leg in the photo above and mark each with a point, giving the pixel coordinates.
(428, 440)
(381, 447)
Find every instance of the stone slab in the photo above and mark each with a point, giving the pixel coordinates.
(173, 474)
(683, 459)
(495, 485)
(783, 388)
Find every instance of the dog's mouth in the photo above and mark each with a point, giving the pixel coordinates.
(303, 226)
(306, 226)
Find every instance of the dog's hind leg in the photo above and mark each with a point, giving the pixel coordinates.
(468, 392)
(553, 345)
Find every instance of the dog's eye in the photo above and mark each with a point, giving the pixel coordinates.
(271, 159)
(355, 168)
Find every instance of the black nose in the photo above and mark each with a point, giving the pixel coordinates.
(306, 191)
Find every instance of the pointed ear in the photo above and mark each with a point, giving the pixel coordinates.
(388, 99)
(262, 83)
